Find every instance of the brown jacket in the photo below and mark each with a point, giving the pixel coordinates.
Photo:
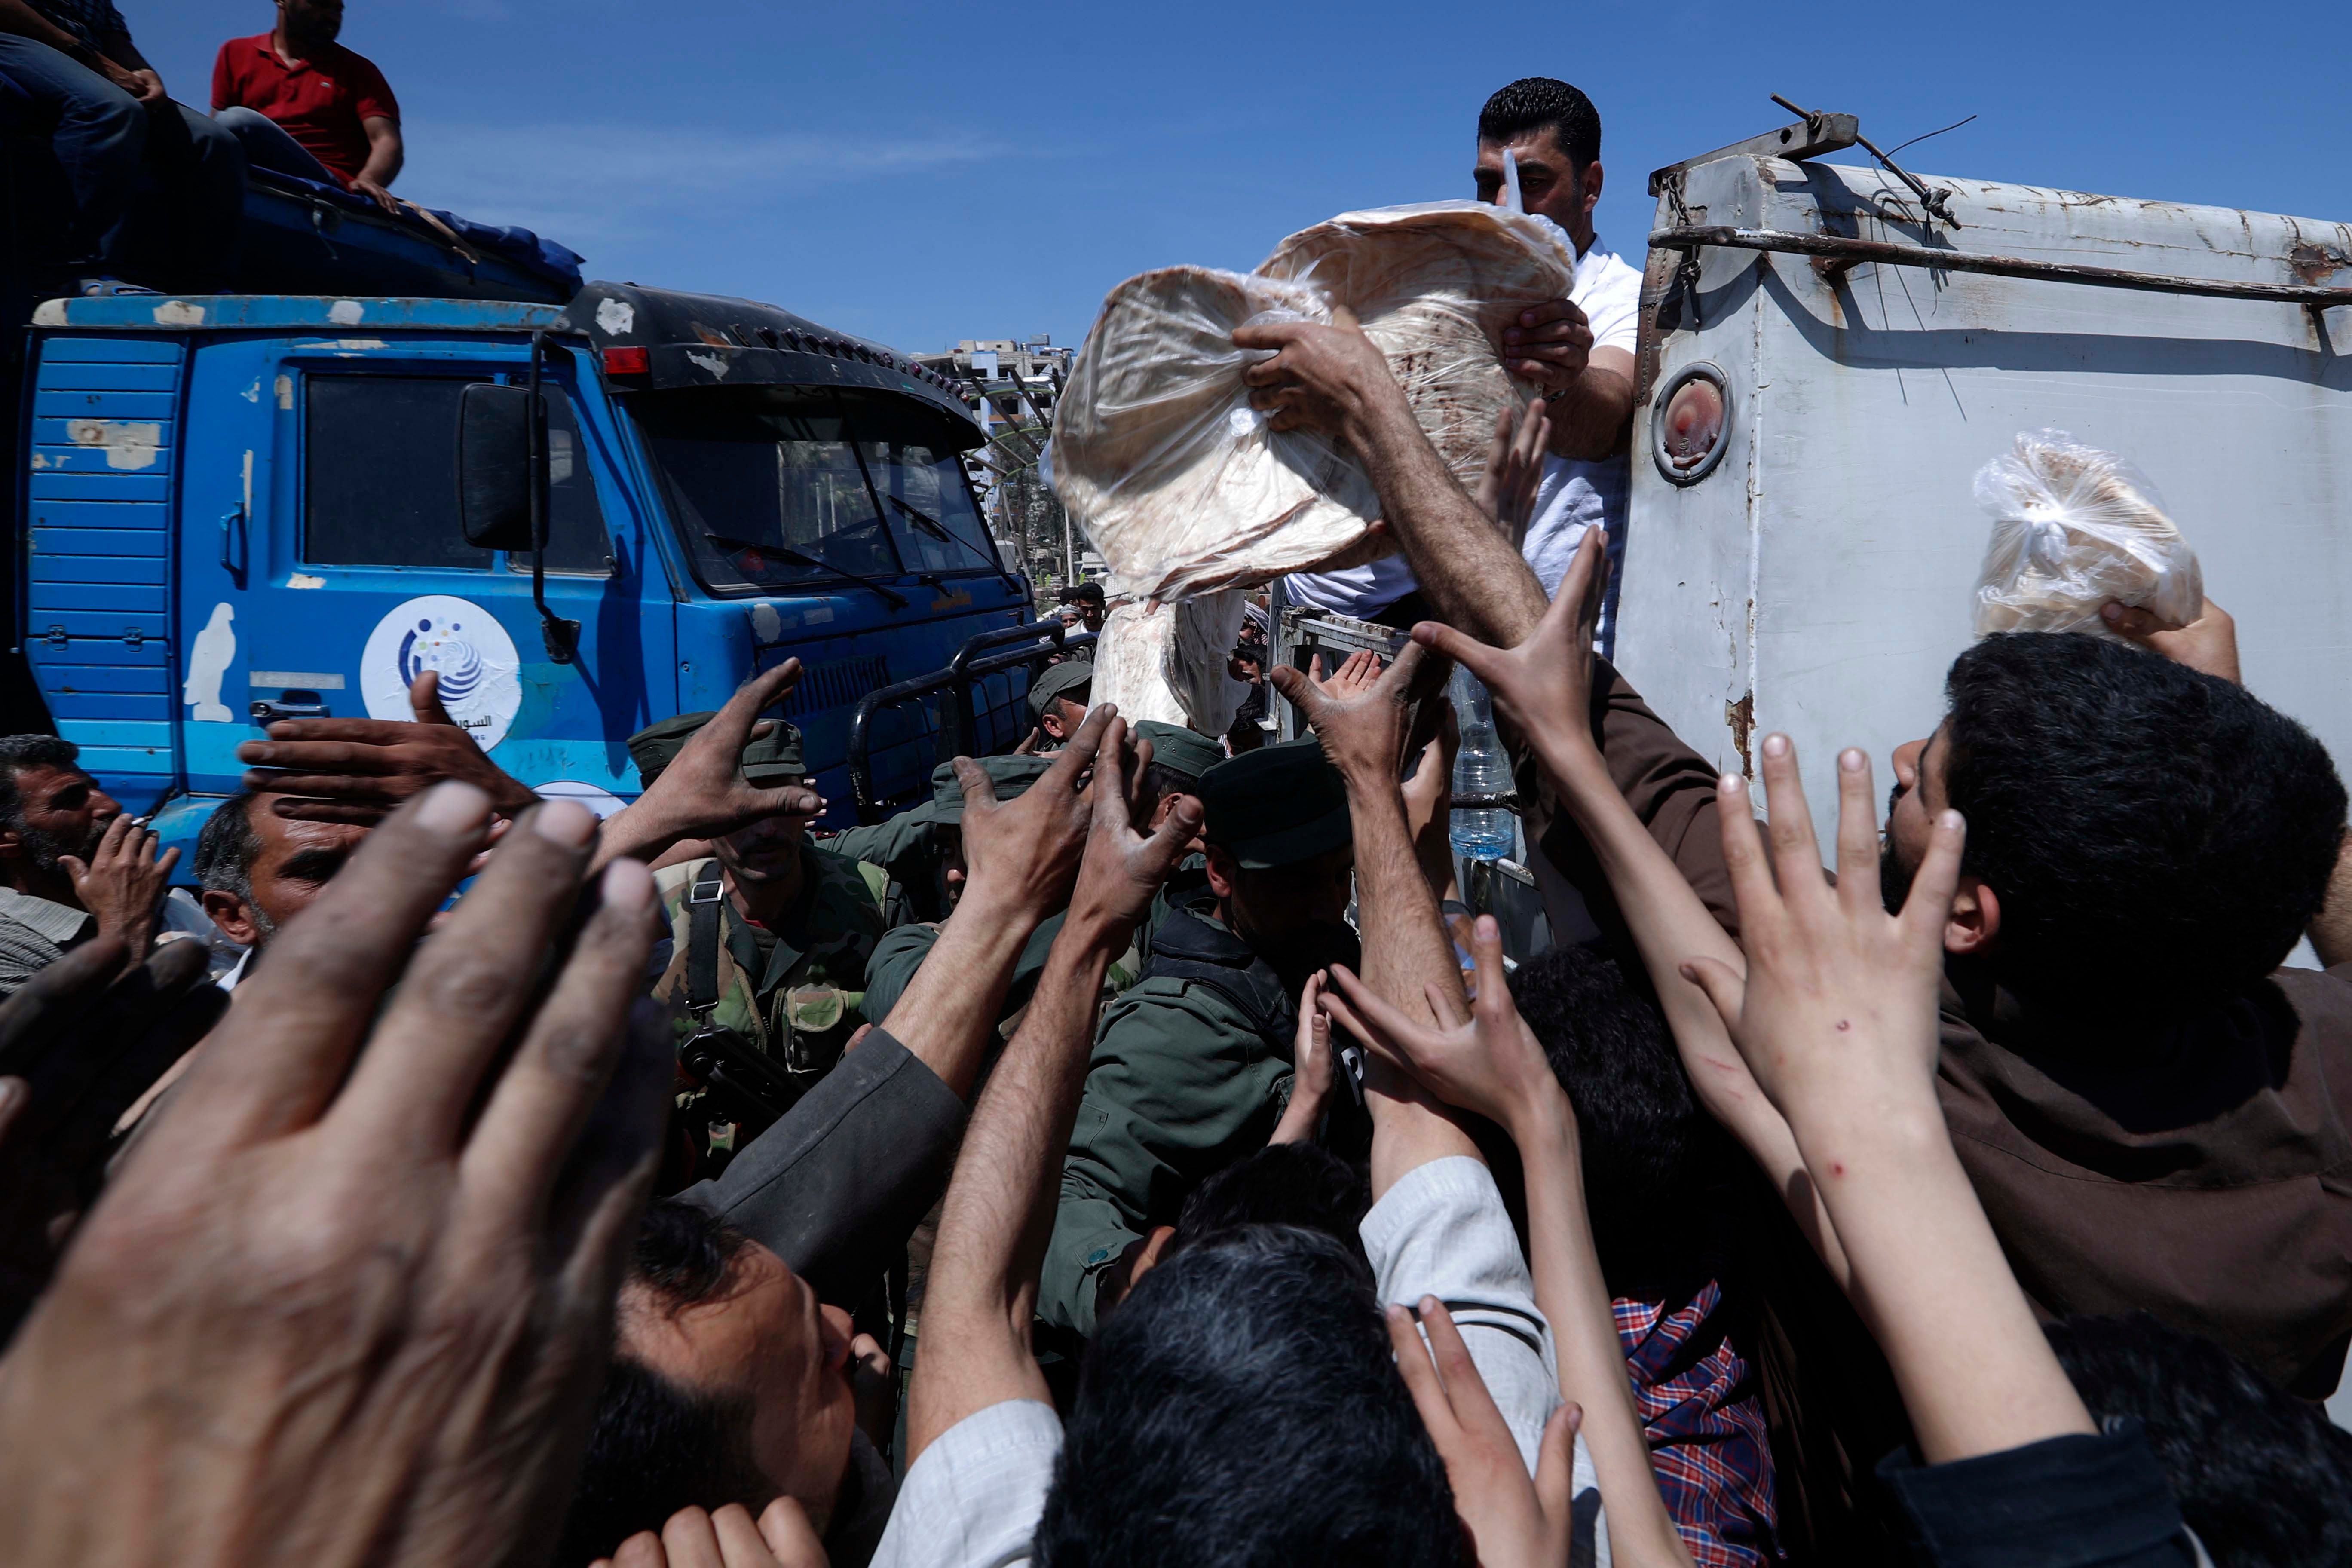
(2202, 1173)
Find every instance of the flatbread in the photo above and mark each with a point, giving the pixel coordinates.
(1178, 483)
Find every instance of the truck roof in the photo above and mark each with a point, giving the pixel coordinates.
(689, 340)
(295, 312)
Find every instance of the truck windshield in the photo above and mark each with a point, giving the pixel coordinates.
(770, 490)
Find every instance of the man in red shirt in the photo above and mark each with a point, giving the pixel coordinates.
(304, 105)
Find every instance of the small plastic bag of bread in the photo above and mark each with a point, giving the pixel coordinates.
(2074, 528)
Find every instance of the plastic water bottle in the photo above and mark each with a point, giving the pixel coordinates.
(1480, 768)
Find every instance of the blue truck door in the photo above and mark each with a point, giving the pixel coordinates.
(105, 449)
(351, 574)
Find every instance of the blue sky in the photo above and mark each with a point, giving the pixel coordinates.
(917, 173)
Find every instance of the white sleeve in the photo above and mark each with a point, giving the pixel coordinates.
(973, 1498)
(1441, 1231)
(1613, 304)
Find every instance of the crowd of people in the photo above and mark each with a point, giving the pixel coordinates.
(1135, 1152)
(292, 99)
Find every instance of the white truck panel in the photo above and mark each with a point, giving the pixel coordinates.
(1821, 577)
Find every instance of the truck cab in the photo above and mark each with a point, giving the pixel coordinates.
(239, 508)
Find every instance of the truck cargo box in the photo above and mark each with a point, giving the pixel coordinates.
(1814, 571)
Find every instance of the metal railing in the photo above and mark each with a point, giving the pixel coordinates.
(959, 730)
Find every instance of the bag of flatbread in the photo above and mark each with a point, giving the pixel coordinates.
(1183, 487)
(2073, 529)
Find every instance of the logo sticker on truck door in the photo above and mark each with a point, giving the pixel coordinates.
(465, 643)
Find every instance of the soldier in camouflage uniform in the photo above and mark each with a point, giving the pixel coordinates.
(768, 939)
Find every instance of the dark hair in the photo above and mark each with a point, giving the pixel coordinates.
(1091, 593)
(1253, 653)
(1298, 1184)
(2262, 1477)
(228, 846)
(1540, 103)
(1160, 782)
(18, 753)
(2155, 835)
(1243, 1406)
(1648, 1148)
(654, 1446)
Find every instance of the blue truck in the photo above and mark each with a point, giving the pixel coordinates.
(587, 505)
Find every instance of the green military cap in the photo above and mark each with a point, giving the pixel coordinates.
(1010, 774)
(773, 759)
(1275, 807)
(1059, 681)
(1187, 753)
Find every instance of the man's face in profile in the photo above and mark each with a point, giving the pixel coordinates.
(1911, 807)
(60, 812)
(764, 1346)
(1293, 917)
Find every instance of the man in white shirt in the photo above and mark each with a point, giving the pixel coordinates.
(1579, 350)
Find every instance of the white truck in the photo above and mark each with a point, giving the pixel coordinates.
(1829, 353)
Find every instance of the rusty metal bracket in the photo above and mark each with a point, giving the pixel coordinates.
(1933, 202)
(1811, 137)
(1691, 239)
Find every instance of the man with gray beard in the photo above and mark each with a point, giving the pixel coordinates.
(73, 864)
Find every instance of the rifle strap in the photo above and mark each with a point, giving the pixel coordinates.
(702, 903)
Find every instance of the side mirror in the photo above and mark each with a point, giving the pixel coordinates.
(495, 456)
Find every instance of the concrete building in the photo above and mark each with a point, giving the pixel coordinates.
(1013, 385)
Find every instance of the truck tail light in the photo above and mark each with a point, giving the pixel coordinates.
(1691, 429)
(637, 360)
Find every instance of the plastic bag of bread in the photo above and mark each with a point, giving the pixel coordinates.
(1183, 488)
(2073, 529)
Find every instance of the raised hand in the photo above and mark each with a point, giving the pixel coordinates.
(1363, 723)
(1837, 1012)
(358, 770)
(1028, 849)
(1493, 1065)
(1544, 686)
(1549, 344)
(1123, 868)
(76, 1052)
(1513, 1520)
(122, 883)
(1321, 378)
(1355, 675)
(703, 793)
(2208, 643)
(1312, 1067)
(1837, 1018)
(783, 1538)
(348, 1299)
(1515, 467)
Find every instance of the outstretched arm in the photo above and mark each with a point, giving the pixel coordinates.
(1021, 857)
(982, 1291)
(1544, 685)
(703, 793)
(1836, 1014)
(1333, 379)
(1493, 1066)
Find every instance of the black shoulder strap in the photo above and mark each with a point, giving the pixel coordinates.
(1184, 948)
(702, 901)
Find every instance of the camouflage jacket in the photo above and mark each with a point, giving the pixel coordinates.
(814, 979)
